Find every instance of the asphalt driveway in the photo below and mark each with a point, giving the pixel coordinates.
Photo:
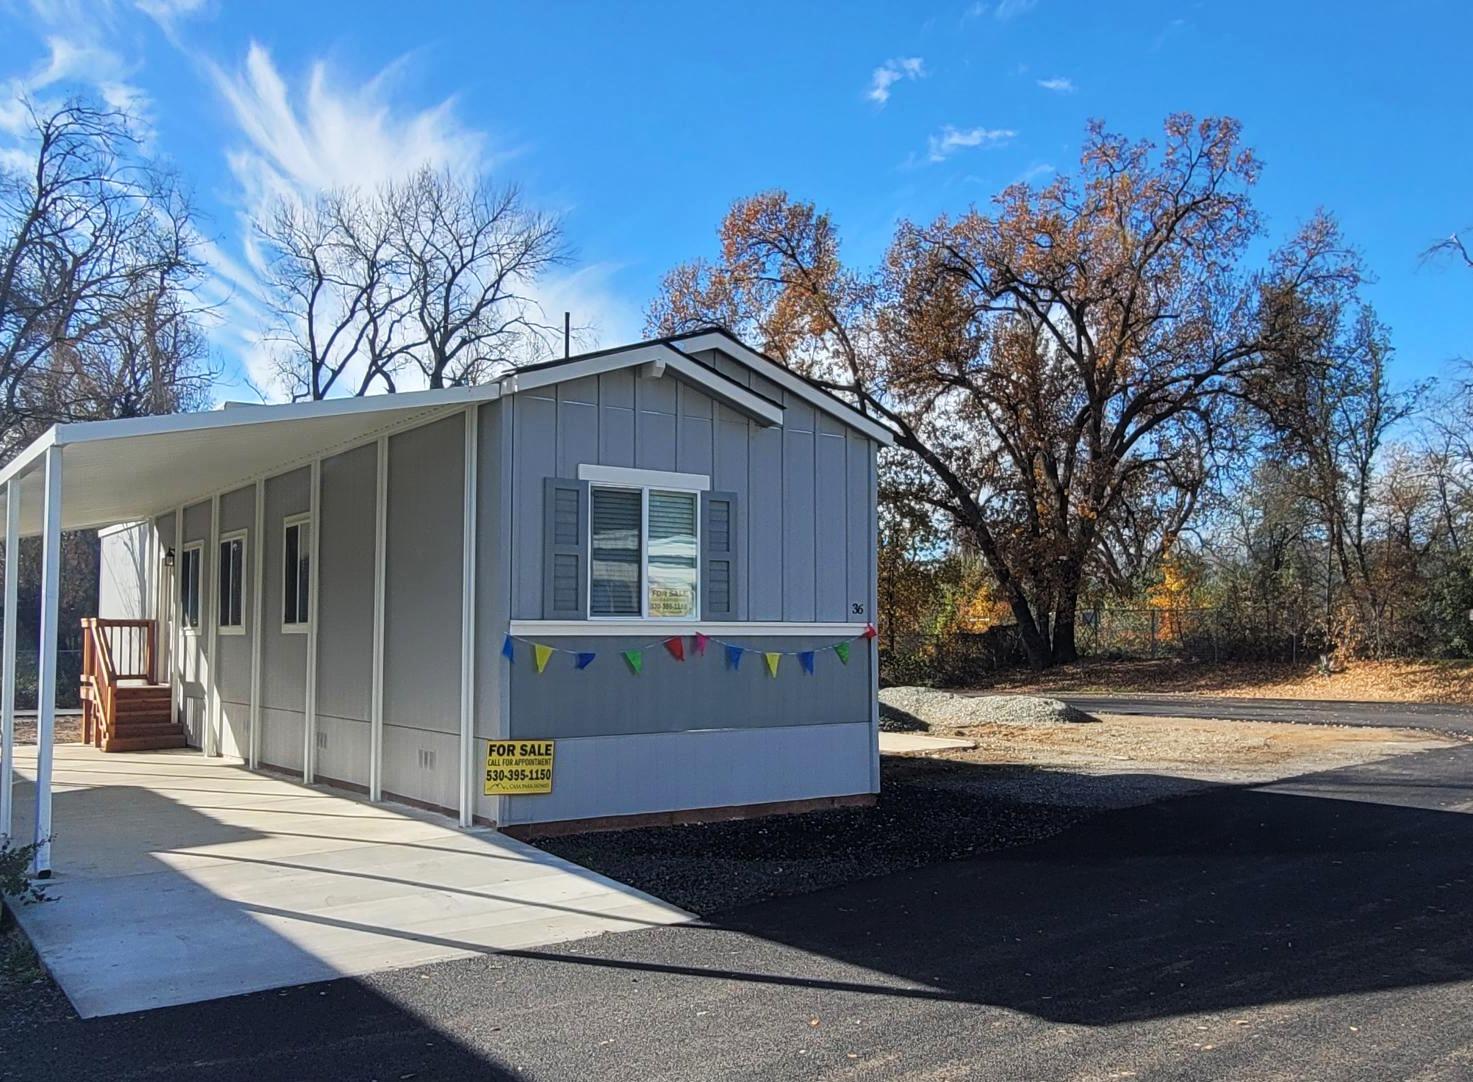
(1314, 928)
(1434, 717)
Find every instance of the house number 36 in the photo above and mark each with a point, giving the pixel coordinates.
(857, 609)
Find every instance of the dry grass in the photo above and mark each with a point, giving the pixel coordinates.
(1368, 681)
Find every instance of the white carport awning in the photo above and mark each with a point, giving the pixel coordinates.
(127, 470)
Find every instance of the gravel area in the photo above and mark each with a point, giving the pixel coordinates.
(710, 867)
(919, 709)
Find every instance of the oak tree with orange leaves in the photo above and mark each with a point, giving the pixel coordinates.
(1057, 368)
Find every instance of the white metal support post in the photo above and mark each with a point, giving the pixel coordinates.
(468, 624)
(46, 668)
(314, 575)
(258, 548)
(210, 603)
(380, 581)
(176, 632)
(7, 693)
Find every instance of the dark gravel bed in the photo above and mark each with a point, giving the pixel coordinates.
(711, 867)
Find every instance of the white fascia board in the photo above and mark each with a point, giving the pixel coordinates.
(718, 386)
(31, 457)
(787, 381)
(237, 415)
(90, 431)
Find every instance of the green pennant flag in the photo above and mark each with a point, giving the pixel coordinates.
(635, 658)
(842, 649)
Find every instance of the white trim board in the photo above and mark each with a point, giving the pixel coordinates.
(765, 366)
(654, 359)
(609, 628)
(636, 478)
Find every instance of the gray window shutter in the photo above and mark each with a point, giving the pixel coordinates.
(564, 549)
(720, 533)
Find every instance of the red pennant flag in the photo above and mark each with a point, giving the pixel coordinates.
(676, 646)
(869, 631)
(701, 641)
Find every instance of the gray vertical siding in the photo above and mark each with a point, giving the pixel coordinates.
(283, 656)
(345, 614)
(123, 573)
(699, 693)
(795, 483)
(422, 612)
(233, 652)
(192, 644)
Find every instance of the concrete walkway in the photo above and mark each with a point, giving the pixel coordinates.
(180, 878)
(905, 743)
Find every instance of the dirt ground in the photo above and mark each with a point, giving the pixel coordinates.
(1364, 681)
(68, 729)
(1196, 748)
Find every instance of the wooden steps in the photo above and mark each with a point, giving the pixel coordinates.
(143, 719)
(124, 709)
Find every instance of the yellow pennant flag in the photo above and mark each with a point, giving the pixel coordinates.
(772, 660)
(541, 653)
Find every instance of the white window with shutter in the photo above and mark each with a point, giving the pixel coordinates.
(644, 553)
(634, 544)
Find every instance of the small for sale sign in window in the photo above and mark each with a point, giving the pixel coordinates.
(518, 767)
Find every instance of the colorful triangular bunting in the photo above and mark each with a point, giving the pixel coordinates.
(540, 654)
(805, 658)
(842, 649)
(734, 656)
(772, 660)
(635, 660)
(869, 631)
(585, 659)
(701, 641)
(507, 651)
(676, 645)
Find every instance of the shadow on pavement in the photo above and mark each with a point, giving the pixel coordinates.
(1225, 899)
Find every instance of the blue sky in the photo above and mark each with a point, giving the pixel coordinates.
(642, 122)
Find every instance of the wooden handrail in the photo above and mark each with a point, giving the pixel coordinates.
(101, 673)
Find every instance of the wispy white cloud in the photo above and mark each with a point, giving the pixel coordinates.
(1058, 84)
(951, 139)
(85, 50)
(1011, 9)
(891, 72)
(325, 134)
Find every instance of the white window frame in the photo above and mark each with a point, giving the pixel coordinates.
(644, 482)
(199, 626)
(302, 627)
(245, 547)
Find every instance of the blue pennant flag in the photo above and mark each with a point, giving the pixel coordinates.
(806, 660)
(585, 659)
(734, 656)
(506, 649)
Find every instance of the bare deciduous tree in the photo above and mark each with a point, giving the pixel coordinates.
(429, 276)
(97, 268)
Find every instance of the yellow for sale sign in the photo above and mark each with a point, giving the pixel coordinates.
(518, 767)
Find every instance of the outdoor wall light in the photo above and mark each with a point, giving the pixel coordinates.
(169, 558)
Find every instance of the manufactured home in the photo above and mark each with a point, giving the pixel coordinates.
(628, 584)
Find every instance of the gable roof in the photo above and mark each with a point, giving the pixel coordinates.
(132, 468)
(686, 345)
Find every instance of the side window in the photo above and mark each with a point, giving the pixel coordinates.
(616, 553)
(296, 572)
(644, 553)
(230, 579)
(189, 586)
